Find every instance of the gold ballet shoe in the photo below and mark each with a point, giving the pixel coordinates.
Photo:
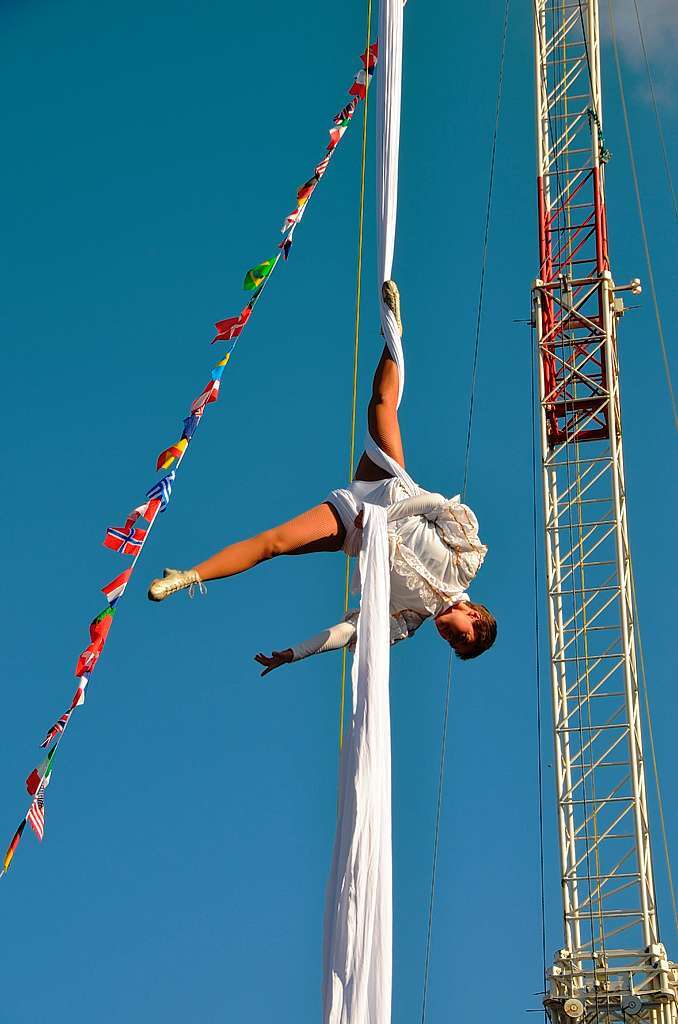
(391, 297)
(173, 580)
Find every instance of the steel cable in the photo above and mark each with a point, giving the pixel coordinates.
(641, 217)
(469, 429)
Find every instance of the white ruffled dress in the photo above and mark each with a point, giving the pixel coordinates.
(434, 553)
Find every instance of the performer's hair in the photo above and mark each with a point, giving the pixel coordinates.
(485, 633)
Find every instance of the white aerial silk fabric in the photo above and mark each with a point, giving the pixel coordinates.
(389, 84)
(357, 949)
(358, 908)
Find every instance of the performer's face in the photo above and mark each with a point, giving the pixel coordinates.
(457, 625)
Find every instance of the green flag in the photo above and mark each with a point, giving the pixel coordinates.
(256, 275)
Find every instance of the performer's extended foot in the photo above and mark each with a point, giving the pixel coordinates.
(173, 580)
(391, 297)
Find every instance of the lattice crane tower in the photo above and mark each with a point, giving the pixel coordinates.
(612, 967)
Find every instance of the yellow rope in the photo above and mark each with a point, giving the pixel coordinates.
(359, 274)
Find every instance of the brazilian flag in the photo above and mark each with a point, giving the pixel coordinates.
(256, 275)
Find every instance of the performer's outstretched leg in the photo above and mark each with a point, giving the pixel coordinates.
(382, 412)
(318, 529)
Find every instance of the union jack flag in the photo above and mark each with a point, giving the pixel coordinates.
(127, 540)
(162, 490)
(346, 113)
(56, 729)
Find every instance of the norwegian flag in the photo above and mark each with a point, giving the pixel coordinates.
(36, 813)
(57, 728)
(127, 540)
(162, 490)
(209, 393)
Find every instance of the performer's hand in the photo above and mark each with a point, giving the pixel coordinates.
(277, 659)
(358, 521)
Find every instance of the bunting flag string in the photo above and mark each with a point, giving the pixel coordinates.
(130, 539)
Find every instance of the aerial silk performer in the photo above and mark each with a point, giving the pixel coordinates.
(433, 545)
(418, 552)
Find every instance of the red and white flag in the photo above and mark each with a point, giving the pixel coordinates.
(359, 87)
(210, 393)
(335, 135)
(369, 57)
(79, 696)
(146, 511)
(125, 539)
(322, 166)
(36, 814)
(232, 327)
(116, 588)
(293, 218)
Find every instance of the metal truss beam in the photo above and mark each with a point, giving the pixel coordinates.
(612, 967)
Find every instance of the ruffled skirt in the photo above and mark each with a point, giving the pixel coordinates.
(347, 501)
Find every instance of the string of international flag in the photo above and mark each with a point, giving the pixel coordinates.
(130, 538)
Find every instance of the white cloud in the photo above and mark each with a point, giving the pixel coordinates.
(659, 21)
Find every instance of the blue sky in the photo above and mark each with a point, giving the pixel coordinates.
(152, 151)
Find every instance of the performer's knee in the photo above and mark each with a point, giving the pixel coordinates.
(271, 543)
(384, 397)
